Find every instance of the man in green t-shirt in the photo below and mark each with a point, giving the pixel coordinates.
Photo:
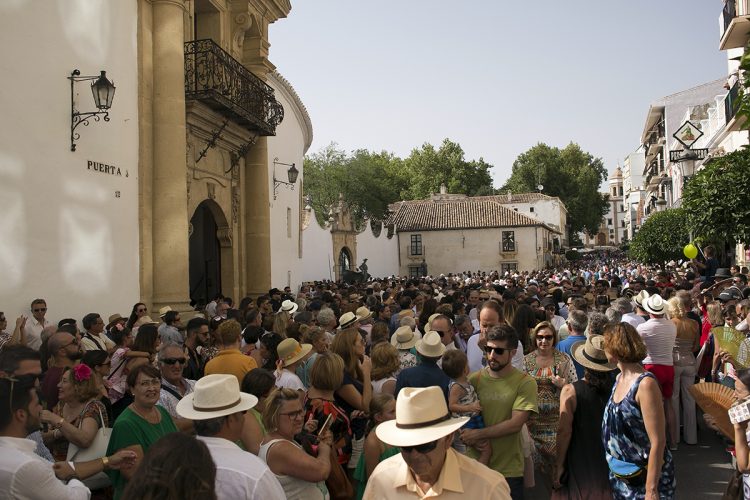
(508, 396)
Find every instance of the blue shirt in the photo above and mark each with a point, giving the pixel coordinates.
(426, 374)
(566, 345)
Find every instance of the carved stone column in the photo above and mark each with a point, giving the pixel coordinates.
(170, 218)
(257, 220)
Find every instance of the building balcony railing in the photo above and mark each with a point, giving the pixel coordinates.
(732, 102)
(736, 24)
(215, 78)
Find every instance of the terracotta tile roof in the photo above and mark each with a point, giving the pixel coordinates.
(519, 197)
(463, 213)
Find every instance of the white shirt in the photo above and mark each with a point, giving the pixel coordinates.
(633, 319)
(98, 342)
(475, 354)
(290, 380)
(33, 332)
(24, 475)
(557, 322)
(240, 474)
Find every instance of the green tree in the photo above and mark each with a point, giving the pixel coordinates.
(426, 168)
(716, 199)
(661, 238)
(571, 174)
(366, 180)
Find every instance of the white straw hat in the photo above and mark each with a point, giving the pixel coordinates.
(215, 396)
(404, 338)
(431, 345)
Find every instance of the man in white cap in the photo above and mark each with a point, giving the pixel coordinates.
(427, 465)
(427, 373)
(217, 409)
(658, 333)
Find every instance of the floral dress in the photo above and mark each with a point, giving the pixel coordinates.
(92, 409)
(543, 425)
(625, 438)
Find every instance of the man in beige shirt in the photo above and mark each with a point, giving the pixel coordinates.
(427, 466)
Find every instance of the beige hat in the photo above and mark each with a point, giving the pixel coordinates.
(406, 313)
(641, 298)
(164, 310)
(145, 320)
(289, 306)
(431, 345)
(363, 313)
(654, 305)
(215, 396)
(590, 353)
(116, 317)
(347, 319)
(421, 416)
(404, 338)
(429, 321)
(291, 351)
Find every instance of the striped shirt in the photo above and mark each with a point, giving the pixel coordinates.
(659, 336)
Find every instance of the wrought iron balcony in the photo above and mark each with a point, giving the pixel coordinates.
(736, 23)
(731, 102)
(216, 79)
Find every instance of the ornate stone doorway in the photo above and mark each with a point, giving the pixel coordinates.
(209, 248)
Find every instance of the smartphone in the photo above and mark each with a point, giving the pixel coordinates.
(325, 424)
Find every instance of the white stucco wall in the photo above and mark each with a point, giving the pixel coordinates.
(551, 212)
(293, 137)
(454, 251)
(66, 235)
(381, 252)
(317, 253)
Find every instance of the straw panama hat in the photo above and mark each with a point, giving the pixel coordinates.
(654, 304)
(590, 353)
(164, 310)
(421, 416)
(641, 298)
(115, 317)
(145, 320)
(406, 313)
(347, 319)
(215, 396)
(289, 306)
(363, 313)
(431, 345)
(404, 338)
(291, 351)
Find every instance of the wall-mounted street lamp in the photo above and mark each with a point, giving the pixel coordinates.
(292, 174)
(104, 93)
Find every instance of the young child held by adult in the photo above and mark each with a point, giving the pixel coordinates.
(463, 400)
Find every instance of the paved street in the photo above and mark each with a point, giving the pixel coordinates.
(704, 469)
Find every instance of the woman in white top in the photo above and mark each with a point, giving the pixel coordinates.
(302, 476)
(385, 364)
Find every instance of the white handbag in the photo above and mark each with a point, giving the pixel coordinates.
(98, 449)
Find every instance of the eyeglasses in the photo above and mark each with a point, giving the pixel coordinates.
(72, 342)
(497, 350)
(40, 309)
(294, 414)
(141, 310)
(544, 337)
(420, 448)
(173, 361)
(154, 382)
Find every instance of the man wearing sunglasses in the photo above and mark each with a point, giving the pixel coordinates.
(65, 351)
(174, 387)
(36, 324)
(427, 465)
(508, 397)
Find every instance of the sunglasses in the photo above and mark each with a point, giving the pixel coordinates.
(142, 310)
(420, 448)
(40, 309)
(172, 361)
(544, 337)
(497, 350)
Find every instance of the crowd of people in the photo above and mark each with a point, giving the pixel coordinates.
(569, 383)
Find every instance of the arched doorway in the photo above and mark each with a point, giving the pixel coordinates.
(205, 254)
(601, 239)
(345, 261)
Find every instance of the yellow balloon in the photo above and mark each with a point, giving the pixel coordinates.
(690, 251)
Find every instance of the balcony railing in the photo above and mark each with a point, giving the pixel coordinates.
(732, 102)
(735, 17)
(216, 79)
(729, 12)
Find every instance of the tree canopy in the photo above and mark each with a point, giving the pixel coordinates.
(370, 181)
(661, 238)
(716, 201)
(571, 174)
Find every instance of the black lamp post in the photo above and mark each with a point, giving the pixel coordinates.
(103, 91)
(292, 174)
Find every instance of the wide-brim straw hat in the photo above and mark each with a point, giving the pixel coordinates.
(654, 305)
(590, 354)
(431, 345)
(115, 317)
(641, 298)
(289, 306)
(406, 313)
(164, 310)
(404, 338)
(347, 319)
(290, 351)
(421, 417)
(363, 313)
(145, 320)
(215, 396)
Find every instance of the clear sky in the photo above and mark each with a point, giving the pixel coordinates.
(496, 76)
